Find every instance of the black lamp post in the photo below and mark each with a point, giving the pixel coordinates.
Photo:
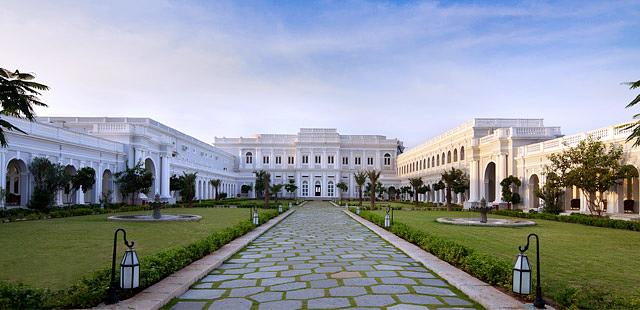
(129, 269)
(388, 218)
(522, 273)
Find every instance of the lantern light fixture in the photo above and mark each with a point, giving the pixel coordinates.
(522, 279)
(129, 269)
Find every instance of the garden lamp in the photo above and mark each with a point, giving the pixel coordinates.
(358, 210)
(280, 209)
(522, 279)
(387, 219)
(129, 269)
(256, 218)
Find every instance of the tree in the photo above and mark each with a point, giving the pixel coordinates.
(134, 180)
(47, 179)
(406, 190)
(188, 190)
(175, 183)
(438, 186)
(245, 188)
(291, 187)
(422, 190)
(591, 166)
(373, 176)
(550, 193)
(416, 183)
(381, 190)
(263, 178)
(275, 189)
(18, 95)
(216, 184)
(342, 186)
(84, 179)
(635, 134)
(360, 177)
(452, 179)
(393, 192)
(508, 185)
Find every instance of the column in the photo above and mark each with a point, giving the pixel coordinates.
(474, 182)
(97, 188)
(166, 176)
(80, 196)
(501, 170)
(3, 176)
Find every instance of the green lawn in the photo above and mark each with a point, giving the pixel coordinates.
(56, 253)
(571, 254)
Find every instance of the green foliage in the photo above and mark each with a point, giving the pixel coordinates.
(216, 184)
(18, 95)
(188, 191)
(91, 291)
(47, 179)
(635, 134)
(454, 180)
(291, 187)
(416, 183)
(361, 178)
(373, 176)
(263, 181)
(343, 187)
(551, 193)
(589, 220)
(591, 166)
(245, 188)
(509, 186)
(84, 179)
(275, 189)
(134, 180)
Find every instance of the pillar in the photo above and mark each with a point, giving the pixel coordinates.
(97, 187)
(501, 170)
(80, 196)
(474, 182)
(166, 176)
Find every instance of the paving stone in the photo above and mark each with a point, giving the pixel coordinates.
(419, 299)
(414, 274)
(433, 282)
(358, 268)
(202, 294)
(231, 303)
(241, 260)
(293, 273)
(289, 286)
(245, 291)
(188, 305)
(237, 283)
(239, 271)
(232, 266)
(275, 281)
(430, 290)
(280, 305)
(314, 276)
(260, 275)
(407, 307)
(397, 280)
(360, 281)
(267, 296)
(345, 275)
(274, 268)
(219, 277)
(305, 266)
(388, 267)
(260, 265)
(389, 289)
(328, 303)
(374, 300)
(455, 301)
(328, 269)
(344, 291)
(307, 293)
(323, 283)
(380, 274)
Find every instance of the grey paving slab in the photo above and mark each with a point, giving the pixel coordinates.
(319, 258)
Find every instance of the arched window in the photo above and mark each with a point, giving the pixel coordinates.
(438, 160)
(305, 188)
(428, 163)
(424, 163)
(433, 161)
(442, 158)
(330, 189)
(448, 157)
(249, 157)
(462, 153)
(455, 155)
(387, 159)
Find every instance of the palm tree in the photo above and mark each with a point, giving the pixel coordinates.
(416, 183)
(451, 179)
(263, 178)
(291, 187)
(342, 186)
(18, 96)
(275, 189)
(360, 178)
(215, 183)
(635, 134)
(188, 191)
(373, 176)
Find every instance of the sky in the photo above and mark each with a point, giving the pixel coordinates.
(404, 69)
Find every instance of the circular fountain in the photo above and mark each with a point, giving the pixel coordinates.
(156, 216)
(484, 220)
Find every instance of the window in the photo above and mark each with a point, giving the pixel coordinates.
(291, 160)
(330, 159)
(305, 159)
(433, 161)
(424, 163)
(318, 159)
(278, 160)
(455, 155)
(265, 159)
(345, 160)
(249, 158)
(305, 188)
(369, 161)
(438, 160)
(358, 161)
(330, 189)
(442, 158)
(387, 159)
(448, 157)
(462, 153)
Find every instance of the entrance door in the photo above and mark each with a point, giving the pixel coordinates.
(318, 189)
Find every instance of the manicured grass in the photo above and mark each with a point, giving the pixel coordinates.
(571, 255)
(56, 253)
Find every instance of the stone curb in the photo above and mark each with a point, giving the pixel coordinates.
(483, 293)
(161, 293)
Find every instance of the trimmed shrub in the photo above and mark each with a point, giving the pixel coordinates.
(576, 218)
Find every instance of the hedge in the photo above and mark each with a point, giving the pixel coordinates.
(497, 271)
(584, 219)
(92, 290)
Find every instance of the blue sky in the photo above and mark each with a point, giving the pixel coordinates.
(405, 69)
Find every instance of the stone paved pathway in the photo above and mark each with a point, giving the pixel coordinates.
(319, 258)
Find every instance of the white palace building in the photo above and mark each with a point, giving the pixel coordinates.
(315, 159)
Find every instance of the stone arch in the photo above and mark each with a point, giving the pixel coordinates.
(490, 182)
(107, 186)
(462, 153)
(448, 157)
(455, 155)
(433, 161)
(69, 196)
(534, 186)
(443, 158)
(150, 166)
(438, 160)
(628, 192)
(318, 189)
(17, 183)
